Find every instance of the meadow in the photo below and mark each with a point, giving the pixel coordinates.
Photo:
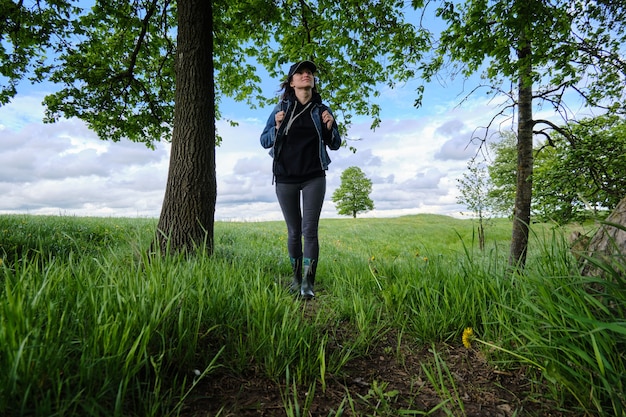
(410, 318)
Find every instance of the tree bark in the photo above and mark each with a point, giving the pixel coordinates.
(523, 194)
(188, 212)
(608, 244)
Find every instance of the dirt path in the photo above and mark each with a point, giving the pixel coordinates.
(383, 385)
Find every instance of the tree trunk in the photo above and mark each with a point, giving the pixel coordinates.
(481, 230)
(523, 193)
(188, 212)
(608, 245)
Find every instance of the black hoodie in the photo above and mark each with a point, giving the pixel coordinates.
(299, 159)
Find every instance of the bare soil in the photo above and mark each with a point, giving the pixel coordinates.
(389, 381)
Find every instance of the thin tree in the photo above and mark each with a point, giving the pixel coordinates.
(352, 196)
(535, 52)
(474, 189)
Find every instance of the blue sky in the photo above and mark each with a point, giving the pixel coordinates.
(414, 159)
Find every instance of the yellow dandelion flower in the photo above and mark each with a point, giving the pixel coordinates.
(468, 335)
(425, 259)
(372, 258)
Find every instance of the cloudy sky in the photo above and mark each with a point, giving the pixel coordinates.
(414, 160)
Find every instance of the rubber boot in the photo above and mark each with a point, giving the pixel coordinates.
(296, 282)
(306, 290)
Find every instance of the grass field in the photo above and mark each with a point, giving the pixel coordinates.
(91, 326)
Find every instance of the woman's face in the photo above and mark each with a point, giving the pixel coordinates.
(303, 78)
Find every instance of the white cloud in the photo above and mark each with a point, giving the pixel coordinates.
(64, 168)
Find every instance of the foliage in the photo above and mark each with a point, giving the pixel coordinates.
(358, 46)
(576, 177)
(582, 173)
(574, 45)
(502, 172)
(130, 94)
(546, 50)
(474, 188)
(103, 330)
(25, 33)
(352, 196)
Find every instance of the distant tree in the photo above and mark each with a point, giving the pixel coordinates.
(352, 196)
(474, 189)
(502, 173)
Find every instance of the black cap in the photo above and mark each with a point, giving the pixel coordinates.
(307, 64)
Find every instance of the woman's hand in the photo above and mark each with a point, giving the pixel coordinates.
(279, 117)
(328, 119)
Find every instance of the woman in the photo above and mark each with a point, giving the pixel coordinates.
(298, 132)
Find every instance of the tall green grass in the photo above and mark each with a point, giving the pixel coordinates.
(90, 326)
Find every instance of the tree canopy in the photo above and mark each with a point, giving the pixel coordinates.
(358, 46)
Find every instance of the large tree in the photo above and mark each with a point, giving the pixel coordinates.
(156, 83)
(535, 53)
(191, 180)
(153, 70)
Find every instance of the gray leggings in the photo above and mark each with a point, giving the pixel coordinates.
(302, 223)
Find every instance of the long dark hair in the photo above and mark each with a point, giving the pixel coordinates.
(289, 91)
